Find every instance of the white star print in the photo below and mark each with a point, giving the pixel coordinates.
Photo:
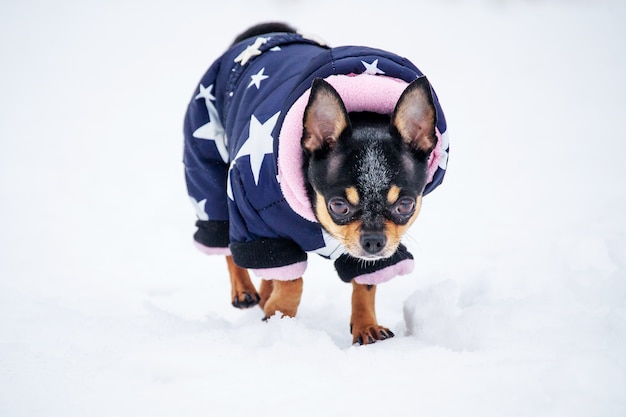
(257, 78)
(206, 93)
(251, 51)
(213, 129)
(372, 68)
(276, 49)
(260, 143)
(199, 207)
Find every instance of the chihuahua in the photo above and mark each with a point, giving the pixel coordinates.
(304, 148)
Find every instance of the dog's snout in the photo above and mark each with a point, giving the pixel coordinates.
(373, 242)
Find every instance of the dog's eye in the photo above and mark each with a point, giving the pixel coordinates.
(338, 206)
(405, 206)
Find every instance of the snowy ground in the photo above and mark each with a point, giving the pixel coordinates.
(517, 306)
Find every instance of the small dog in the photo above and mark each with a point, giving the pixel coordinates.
(294, 147)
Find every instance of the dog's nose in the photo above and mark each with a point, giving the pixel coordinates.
(373, 242)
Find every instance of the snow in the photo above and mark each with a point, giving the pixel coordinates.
(517, 305)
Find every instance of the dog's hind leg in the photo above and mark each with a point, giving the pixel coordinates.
(285, 297)
(363, 324)
(243, 293)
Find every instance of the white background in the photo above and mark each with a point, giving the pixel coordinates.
(517, 306)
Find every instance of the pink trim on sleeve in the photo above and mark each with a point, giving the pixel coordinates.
(211, 251)
(282, 273)
(384, 275)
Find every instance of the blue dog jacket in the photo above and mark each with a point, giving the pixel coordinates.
(243, 159)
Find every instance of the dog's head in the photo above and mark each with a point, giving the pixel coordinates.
(366, 172)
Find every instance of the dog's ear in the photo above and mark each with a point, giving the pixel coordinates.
(414, 117)
(325, 117)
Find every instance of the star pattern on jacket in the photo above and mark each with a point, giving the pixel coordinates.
(199, 206)
(372, 68)
(257, 78)
(260, 143)
(213, 129)
(206, 93)
(251, 51)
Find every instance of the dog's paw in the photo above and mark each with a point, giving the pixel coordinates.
(246, 299)
(366, 335)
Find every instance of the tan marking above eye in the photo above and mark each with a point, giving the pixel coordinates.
(353, 195)
(393, 194)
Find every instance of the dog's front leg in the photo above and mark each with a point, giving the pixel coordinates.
(243, 293)
(285, 297)
(265, 291)
(363, 324)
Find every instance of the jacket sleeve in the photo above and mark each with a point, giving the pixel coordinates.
(206, 165)
(258, 241)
